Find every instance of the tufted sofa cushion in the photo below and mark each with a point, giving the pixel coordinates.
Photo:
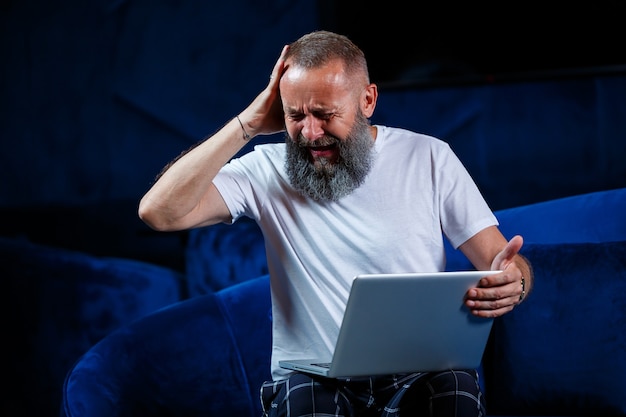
(221, 255)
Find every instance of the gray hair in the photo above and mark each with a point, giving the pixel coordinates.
(316, 49)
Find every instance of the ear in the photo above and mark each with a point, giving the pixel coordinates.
(368, 100)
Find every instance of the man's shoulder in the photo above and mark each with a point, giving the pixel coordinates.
(270, 147)
(399, 135)
(266, 151)
(271, 150)
(262, 156)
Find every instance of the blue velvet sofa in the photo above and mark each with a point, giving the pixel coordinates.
(56, 304)
(561, 352)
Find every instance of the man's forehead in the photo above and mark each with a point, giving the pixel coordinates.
(335, 66)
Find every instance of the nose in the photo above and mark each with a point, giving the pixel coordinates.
(312, 128)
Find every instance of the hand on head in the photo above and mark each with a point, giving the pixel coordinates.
(264, 116)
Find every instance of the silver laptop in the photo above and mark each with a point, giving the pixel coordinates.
(398, 323)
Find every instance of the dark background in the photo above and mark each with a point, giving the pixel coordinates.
(428, 43)
(97, 96)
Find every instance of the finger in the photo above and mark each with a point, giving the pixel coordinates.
(278, 67)
(494, 287)
(488, 306)
(492, 313)
(492, 296)
(496, 282)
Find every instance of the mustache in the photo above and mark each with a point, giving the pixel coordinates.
(326, 140)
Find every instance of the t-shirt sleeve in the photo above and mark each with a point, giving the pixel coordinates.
(233, 183)
(464, 211)
(246, 182)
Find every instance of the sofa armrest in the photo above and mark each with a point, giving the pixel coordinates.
(57, 304)
(203, 356)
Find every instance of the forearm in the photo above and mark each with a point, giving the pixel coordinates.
(183, 196)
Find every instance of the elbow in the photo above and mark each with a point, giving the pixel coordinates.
(151, 216)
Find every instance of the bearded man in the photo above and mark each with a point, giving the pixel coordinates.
(341, 197)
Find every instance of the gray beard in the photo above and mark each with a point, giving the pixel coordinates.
(331, 181)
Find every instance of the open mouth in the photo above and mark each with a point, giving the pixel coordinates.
(326, 151)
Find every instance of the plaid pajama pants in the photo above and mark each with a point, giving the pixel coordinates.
(447, 393)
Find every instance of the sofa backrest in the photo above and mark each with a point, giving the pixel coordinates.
(222, 255)
(594, 217)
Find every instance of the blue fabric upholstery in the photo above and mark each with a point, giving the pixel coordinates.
(206, 356)
(592, 217)
(58, 303)
(237, 252)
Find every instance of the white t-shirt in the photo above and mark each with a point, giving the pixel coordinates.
(417, 189)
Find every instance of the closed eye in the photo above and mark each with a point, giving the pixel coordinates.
(295, 117)
(324, 115)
